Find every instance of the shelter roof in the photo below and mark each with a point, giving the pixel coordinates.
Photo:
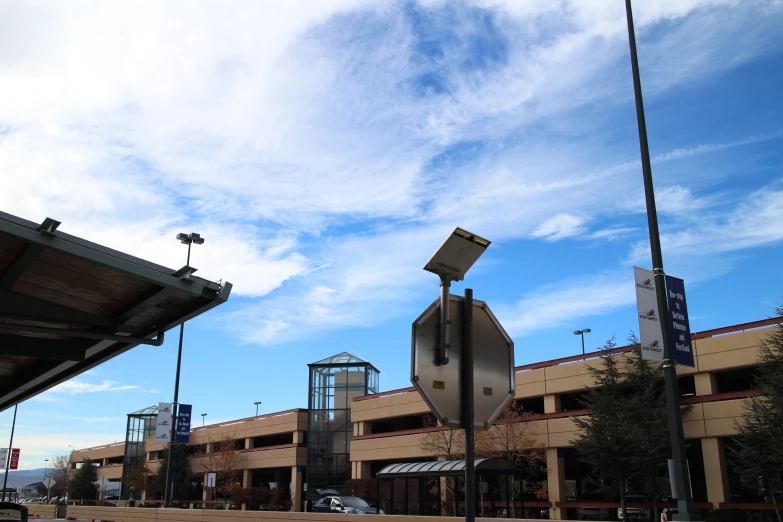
(445, 468)
(67, 305)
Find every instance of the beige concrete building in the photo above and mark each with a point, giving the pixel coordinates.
(388, 428)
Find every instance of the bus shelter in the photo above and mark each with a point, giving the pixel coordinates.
(429, 488)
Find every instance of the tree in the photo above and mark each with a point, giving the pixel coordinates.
(758, 456)
(646, 404)
(179, 475)
(137, 478)
(225, 462)
(605, 442)
(83, 483)
(625, 439)
(513, 438)
(60, 471)
(444, 443)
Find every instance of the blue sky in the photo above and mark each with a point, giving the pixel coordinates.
(325, 149)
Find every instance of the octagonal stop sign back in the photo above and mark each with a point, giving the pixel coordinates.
(493, 370)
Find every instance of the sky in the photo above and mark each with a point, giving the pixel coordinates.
(325, 149)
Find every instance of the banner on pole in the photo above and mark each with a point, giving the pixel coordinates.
(163, 426)
(679, 327)
(183, 423)
(650, 328)
(14, 458)
(3, 457)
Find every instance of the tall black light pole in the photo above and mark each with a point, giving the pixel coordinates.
(10, 449)
(185, 239)
(681, 480)
(582, 332)
(202, 419)
(257, 403)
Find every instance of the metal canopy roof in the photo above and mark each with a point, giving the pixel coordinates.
(67, 305)
(342, 359)
(148, 411)
(445, 468)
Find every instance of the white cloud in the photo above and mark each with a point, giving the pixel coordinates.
(293, 136)
(559, 227)
(555, 305)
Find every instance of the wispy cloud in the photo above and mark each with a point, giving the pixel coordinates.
(322, 148)
(77, 387)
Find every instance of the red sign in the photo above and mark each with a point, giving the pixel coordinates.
(14, 459)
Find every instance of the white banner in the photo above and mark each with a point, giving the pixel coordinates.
(163, 426)
(650, 327)
(3, 457)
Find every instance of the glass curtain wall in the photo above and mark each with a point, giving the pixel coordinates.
(141, 425)
(334, 382)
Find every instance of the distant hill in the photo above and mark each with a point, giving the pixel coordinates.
(22, 477)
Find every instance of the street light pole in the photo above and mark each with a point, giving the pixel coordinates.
(186, 239)
(48, 488)
(681, 478)
(257, 403)
(202, 419)
(10, 449)
(582, 332)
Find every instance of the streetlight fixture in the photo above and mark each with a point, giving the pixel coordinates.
(202, 419)
(582, 332)
(451, 262)
(257, 403)
(185, 239)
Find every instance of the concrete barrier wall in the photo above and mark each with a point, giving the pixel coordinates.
(40, 510)
(113, 514)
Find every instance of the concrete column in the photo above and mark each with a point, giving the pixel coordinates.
(296, 487)
(360, 470)
(204, 490)
(705, 383)
(552, 403)
(715, 472)
(209, 447)
(247, 478)
(298, 437)
(362, 428)
(248, 443)
(555, 482)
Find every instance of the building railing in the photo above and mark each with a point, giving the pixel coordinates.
(251, 419)
(95, 448)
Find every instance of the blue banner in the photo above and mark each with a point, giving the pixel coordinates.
(183, 423)
(679, 328)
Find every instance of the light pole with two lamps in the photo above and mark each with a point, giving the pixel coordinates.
(582, 332)
(185, 239)
(257, 403)
(202, 419)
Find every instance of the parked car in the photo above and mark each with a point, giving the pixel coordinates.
(635, 513)
(343, 504)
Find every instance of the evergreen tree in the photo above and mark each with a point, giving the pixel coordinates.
(179, 474)
(646, 402)
(758, 456)
(625, 439)
(605, 442)
(83, 483)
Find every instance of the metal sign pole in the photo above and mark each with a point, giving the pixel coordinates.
(683, 494)
(10, 451)
(468, 407)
